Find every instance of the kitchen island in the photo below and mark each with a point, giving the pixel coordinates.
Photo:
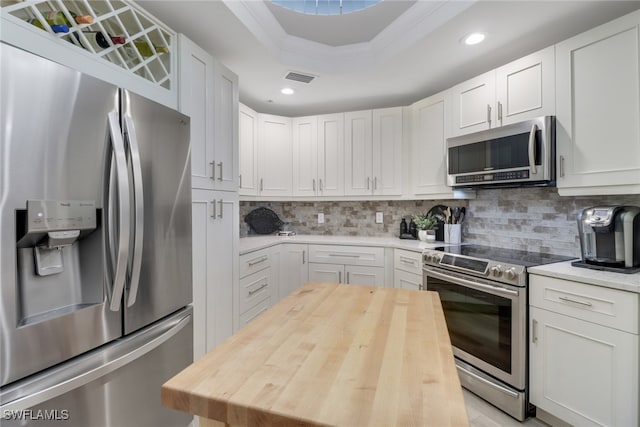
(330, 354)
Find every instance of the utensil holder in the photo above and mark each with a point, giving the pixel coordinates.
(453, 233)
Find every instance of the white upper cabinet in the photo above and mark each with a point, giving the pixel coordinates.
(373, 152)
(473, 102)
(331, 155)
(209, 95)
(430, 123)
(196, 100)
(518, 91)
(274, 156)
(525, 88)
(225, 155)
(248, 145)
(305, 156)
(598, 102)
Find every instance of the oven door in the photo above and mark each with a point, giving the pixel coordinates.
(486, 322)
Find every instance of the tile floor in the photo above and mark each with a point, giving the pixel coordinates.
(482, 414)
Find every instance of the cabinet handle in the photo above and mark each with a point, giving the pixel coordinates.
(567, 299)
(320, 182)
(257, 260)
(304, 254)
(348, 277)
(213, 209)
(221, 209)
(561, 166)
(489, 114)
(213, 170)
(314, 185)
(534, 331)
(344, 255)
(220, 166)
(375, 183)
(407, 260)
(500, 112)
(264, 285)
(368, 183)
(339, 276)
(240, 180)
(261, 184)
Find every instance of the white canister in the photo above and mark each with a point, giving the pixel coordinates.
(453, 233)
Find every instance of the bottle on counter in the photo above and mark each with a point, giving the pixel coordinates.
(403, 227)
(413, 230)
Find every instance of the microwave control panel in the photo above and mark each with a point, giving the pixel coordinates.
(492, 177)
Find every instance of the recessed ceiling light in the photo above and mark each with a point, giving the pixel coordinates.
(473, 38)
(287, 91)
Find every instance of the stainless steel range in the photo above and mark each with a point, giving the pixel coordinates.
(484, 297)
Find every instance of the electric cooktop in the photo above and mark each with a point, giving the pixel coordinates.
(508, 256)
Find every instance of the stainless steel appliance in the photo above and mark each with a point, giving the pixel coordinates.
(483, 291)
(95, 249)
(512, 155)
(610, 238)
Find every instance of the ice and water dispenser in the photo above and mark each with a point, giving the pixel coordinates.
(59, 257)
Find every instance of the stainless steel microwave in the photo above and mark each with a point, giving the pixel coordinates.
(513, 155)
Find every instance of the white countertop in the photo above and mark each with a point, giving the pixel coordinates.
(564, 270)
(253, 243)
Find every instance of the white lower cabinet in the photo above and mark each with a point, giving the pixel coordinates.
(407, 269)
(584, 352)
(215, 222)
(294, 268)
(348, 274)
(259, 273)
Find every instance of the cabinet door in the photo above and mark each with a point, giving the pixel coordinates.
(387, 151)
(358, 153)
(361, 275)
(473, 102)
(274, 156)
(526, 88)
(225, 154)
(332, 273)
(583, 373)
(331, 155)
(295, 267)
(248, 142)
(598, 110)
(201, 234)
(305, 156)
(430, 122)
(222, 267)
(196, 100)
(405, 280)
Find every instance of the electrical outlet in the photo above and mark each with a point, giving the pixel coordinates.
(379, 218)
(320, 218)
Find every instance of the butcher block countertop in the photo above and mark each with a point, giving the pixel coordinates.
(330, 354)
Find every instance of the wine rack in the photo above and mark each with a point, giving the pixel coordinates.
(120, 32)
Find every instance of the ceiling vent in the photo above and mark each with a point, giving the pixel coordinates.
(299, 77)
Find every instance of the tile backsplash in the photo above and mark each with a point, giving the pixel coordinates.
(534, 219)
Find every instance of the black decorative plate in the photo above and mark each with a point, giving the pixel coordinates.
(439, 210)
(263, 221)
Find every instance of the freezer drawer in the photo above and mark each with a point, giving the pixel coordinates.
(116, 385)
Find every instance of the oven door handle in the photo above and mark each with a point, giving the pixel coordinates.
(471, 284)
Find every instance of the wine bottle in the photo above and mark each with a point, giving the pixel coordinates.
(59, 22)
(145, 49)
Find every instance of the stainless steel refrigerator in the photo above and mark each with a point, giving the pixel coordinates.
(95, 249)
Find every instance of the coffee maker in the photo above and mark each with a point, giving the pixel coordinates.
(610, 238)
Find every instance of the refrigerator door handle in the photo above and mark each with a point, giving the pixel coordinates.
(122, 255)
(95, 365)
(138, 196)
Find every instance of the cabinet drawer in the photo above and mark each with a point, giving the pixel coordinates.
(254, 312)
(254, 261)
(351, 255)
(254, 288)
(408, 261)
(604, 306)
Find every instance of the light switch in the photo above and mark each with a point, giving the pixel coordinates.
(320, 218)
(379, 218)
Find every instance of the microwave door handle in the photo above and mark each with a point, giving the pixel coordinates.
(136, 263)
(122, 182)
(532, 146)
